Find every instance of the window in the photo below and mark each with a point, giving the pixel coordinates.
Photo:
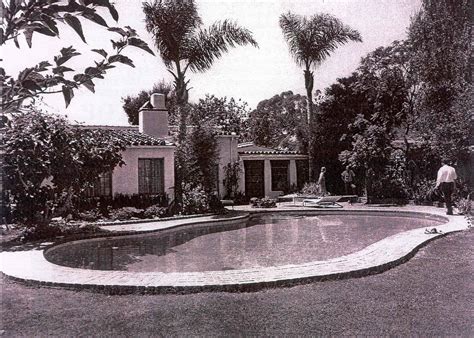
(150, 175)
(280, 177)
(102, 186)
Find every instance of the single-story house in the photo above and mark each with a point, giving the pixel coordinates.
(149, 160)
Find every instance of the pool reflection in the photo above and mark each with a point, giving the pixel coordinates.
(269, 240)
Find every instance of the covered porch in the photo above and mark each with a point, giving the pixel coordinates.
(270, 172)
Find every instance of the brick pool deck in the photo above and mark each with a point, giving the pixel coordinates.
(32, 267)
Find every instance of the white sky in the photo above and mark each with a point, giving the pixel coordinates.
(245, 72)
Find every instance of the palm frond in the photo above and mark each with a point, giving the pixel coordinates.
(209, 44)
(333, 33)
(172, 23)
(296, 35)
(312, 40)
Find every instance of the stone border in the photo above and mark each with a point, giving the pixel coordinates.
(32, 267)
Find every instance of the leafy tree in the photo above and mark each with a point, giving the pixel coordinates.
(441, 36)
(22, 17)
(184, 45)
(202, 157)
(48, 162)
(132, 104)
(338, 108)
(280, 122)
(311, 40)
(227, 115)
(384, 94)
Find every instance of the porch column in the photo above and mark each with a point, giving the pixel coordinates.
(267, 176)
(293, 174)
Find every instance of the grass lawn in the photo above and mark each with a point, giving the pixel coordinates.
(432, 294)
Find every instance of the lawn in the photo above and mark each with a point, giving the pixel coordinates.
(432, 294)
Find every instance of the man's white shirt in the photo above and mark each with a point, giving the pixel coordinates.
(446, 174)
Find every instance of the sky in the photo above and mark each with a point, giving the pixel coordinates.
(247, 73)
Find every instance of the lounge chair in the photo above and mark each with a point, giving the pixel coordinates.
(323, 202)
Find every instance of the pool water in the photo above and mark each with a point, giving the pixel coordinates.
(264, 241)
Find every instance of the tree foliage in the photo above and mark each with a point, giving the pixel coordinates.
(48, 162)
(27, 18)
(380, 102)
(223, 114)
(441, 38)
(133, 103)
(202, 157)
(280, 122)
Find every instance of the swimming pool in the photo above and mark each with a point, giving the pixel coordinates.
(264, 241)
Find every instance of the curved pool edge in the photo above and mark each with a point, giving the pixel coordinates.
(33, 268)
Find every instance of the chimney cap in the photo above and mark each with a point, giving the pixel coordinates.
(158, 101)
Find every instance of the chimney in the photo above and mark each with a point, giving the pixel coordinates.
(153, 117)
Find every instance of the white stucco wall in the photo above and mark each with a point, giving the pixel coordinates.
(125, 178)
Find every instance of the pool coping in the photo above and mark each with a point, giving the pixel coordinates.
(32, 267)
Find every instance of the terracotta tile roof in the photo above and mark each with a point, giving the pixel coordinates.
(219, 131)
(271, 152)
(129, 135)
(249, 148)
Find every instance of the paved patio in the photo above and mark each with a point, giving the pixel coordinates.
(31, 265)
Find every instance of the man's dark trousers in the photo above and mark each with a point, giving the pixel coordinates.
(447, 190)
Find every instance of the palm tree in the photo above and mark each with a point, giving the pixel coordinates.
(310, 41)
(184, 45)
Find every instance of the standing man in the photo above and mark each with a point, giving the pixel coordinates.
(348, 179)
(446, 182)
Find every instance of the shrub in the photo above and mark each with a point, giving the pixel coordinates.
(40, 232)
(56, 229)
(126, 213)
(195, 200)
(48, 162)
(231, 179)
(90, 215)
(155, 211)
(215, 205)
(310, 188)
(265, 202)
(240, 198)
(424, 191)
(465, 206)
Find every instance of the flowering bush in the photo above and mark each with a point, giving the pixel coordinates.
(195, 200)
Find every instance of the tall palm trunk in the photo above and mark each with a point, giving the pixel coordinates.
(309, 82)
(182, 110)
